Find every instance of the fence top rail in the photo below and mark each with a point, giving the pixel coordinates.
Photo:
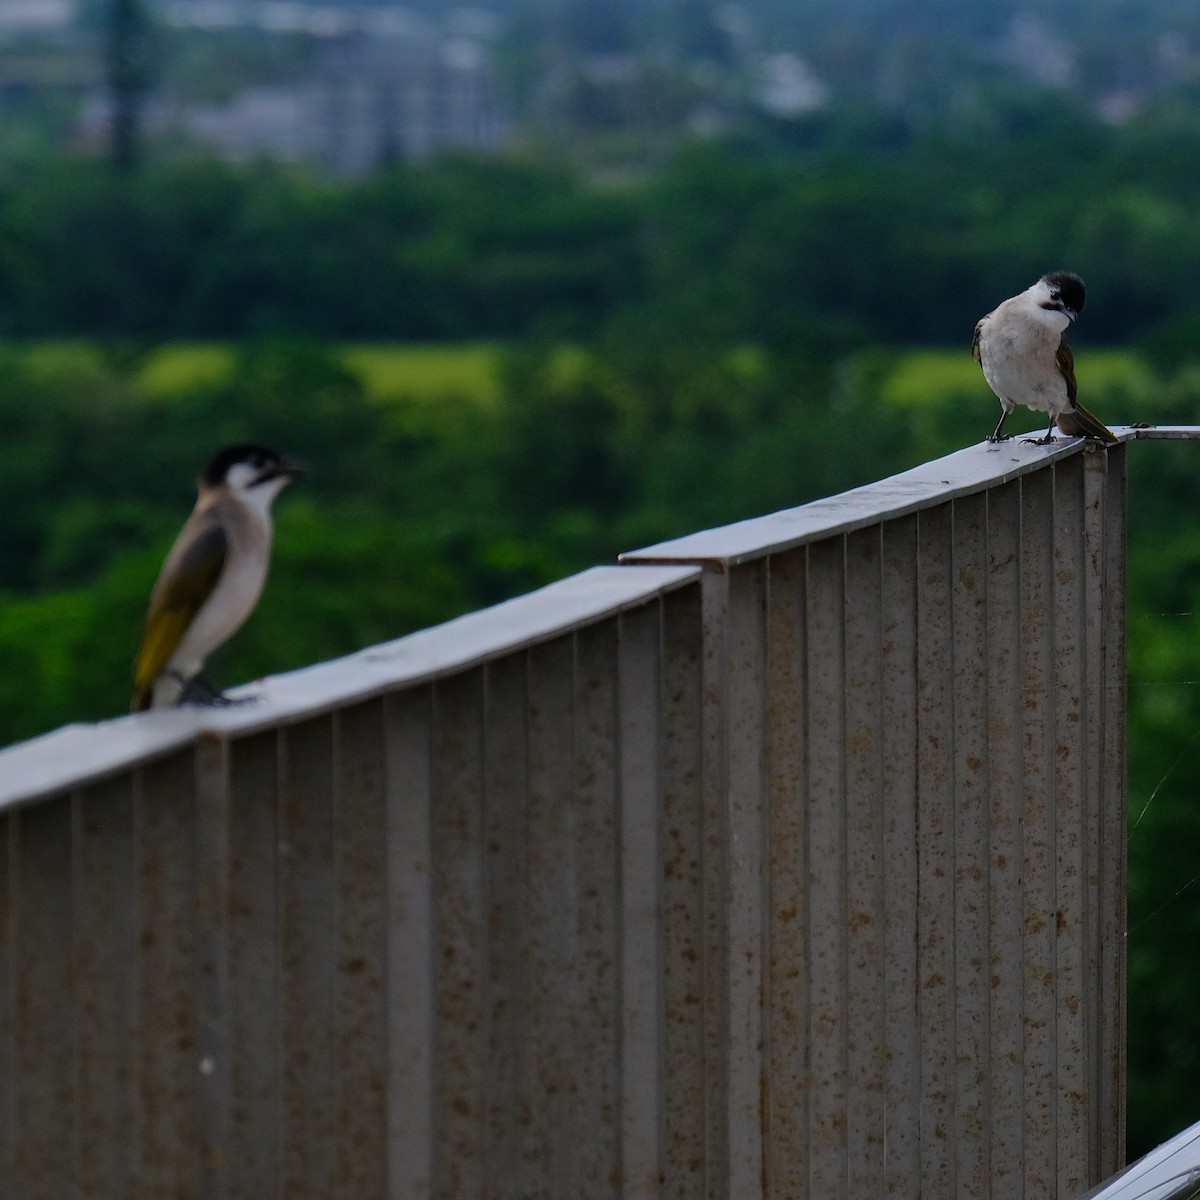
(1172, 1170)
(962, 473)
(79, 754)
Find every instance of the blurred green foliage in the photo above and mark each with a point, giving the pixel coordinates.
(806, 235)
(425, 503)
(744, 331)
(528, 462)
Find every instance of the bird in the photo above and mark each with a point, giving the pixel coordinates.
(1022, 349)
(212, 576)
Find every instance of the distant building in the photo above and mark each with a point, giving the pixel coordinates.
(1032, 50)
(389, 89)
(367, 101)
(272, 122)
(36, 16)
(377, 99)
(788, 87)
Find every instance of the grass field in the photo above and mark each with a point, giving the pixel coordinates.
(421, 372)
(921, 375)
(922, 381)
(427, 372)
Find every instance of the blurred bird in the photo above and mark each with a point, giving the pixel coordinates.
(1026, 360)
(212, 577)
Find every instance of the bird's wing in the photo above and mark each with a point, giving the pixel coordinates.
(1075, 420)
(183, 589)
(1066, 365)
(975, 340)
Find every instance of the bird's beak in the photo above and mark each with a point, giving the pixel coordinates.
(292, 467)
(286, 468)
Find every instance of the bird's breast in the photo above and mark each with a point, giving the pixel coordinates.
(1019, 366)
(226, 609)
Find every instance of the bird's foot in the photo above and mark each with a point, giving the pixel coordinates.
(1047, 440)
(220, 700)
(996, 438)
(199, 690)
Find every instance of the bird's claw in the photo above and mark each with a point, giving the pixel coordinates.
(200, 691)
(220, 700)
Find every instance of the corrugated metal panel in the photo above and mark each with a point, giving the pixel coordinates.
(799, 877)
(944, 746)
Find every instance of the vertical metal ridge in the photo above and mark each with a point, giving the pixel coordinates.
(825, 739)
(104, 933)
(935, 852)
(745, 713)
(1114, 817)
(640, 815)
(253, 964)
(508, 987)
(410, 960)
(459, 931)
(864, 910)
(550, 913)
(714, 864)
(360, 938)
(211, 760)
(970, 654)
(593, 793)
(901, 965)
(1095, 995)
(308, 907)
(1070, 821)
(684, 919)
(788, 1121)
(279, 898)
(169, 1149)
(1039, 933)
(45, 1084)
(1005, 747)
(10, 864)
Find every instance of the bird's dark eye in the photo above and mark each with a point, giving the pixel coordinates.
(1056, 294)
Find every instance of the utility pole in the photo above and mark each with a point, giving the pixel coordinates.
(130, 70)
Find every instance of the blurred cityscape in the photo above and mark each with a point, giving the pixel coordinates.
(348, 88)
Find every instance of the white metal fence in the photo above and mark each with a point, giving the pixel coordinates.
(785, 860)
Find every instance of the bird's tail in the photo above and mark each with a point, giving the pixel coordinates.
(1078, 422)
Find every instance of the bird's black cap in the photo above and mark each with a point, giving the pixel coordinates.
(259, 457)
(1069, 286)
